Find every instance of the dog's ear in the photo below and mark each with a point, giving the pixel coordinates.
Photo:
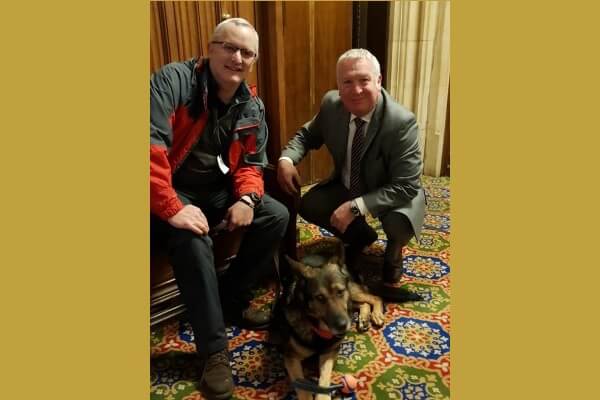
(336, 253)
(301, 269)
(290, 292)
(338, 256)
(344, 271)
(335, 259)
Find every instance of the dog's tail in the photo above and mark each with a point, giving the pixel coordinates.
(394, 294)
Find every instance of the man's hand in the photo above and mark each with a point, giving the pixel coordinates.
(342, 217)
(287, 176)
(192, 218)
(239, 214)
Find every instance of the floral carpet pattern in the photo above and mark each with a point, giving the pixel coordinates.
(406, 359)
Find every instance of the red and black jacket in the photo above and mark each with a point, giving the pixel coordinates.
(178, 117)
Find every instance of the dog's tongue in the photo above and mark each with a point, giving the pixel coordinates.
(325, 334)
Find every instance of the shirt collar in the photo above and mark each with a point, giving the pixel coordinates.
(366, 118)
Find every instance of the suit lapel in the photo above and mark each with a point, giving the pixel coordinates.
(374, 124)
(342, 121)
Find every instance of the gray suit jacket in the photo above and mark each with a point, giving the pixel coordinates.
(391, 163)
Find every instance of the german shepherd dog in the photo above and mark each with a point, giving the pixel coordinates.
(316, 310)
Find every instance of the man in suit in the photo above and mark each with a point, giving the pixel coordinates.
(377, 167)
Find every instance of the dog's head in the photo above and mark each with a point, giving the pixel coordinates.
(323, 293)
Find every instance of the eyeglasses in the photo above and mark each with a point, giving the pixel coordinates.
(231, 49)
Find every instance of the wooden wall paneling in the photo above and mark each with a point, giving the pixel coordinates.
(333, 31)
(224, 8)
(157, 45)
(171, 31)
(241, 9)
(187, 29)
(247, 10)
(332, 36)
(183, 30)
(271, 74)
(298, 67)
(209, 18)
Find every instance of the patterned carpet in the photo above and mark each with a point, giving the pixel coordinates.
(408, 358)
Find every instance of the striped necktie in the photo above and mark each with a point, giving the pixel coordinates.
(358, 143)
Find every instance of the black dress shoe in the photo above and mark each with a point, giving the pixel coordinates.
(359, 234)
(394, 294)
(391, 274)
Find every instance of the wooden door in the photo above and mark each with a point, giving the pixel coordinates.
(301, 43)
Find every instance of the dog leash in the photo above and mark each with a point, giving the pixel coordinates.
(313, 387)
(346, 387)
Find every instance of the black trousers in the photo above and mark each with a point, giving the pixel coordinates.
(192, 259)
(320, 202)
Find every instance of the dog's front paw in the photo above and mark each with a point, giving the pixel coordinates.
(363, 324)
(323, 397)
(377, 318)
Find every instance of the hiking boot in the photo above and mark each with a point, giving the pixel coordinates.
(256, 318)
(216, 381)
(248, 317)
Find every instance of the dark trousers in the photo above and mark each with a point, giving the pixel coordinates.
(320, 202)
(191, 257)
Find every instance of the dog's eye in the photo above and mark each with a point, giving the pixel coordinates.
(320, 298)
(340, 293)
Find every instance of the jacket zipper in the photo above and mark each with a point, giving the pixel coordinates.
(218, 120)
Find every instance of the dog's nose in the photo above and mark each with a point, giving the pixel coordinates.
(340, 324)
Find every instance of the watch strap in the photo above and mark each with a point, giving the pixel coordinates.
(247, 202)
(354, 208)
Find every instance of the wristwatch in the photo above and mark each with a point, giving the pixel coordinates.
(354, 208)
(247, 202)
(254, 199)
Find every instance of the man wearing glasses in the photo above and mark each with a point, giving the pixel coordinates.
(208, 139)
